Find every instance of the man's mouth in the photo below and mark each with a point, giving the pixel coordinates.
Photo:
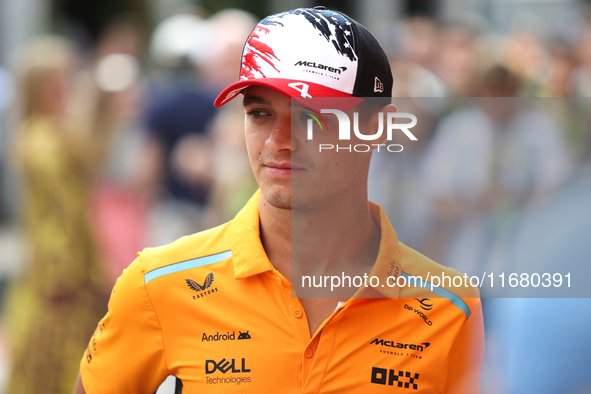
(281, 169)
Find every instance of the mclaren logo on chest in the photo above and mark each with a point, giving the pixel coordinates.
(398, 345)
(204, 289)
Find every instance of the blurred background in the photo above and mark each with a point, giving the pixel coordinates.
(109, 143)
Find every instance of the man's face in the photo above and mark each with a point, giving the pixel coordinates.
(289, 169)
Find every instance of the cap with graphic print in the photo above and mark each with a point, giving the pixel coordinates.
(312, 52)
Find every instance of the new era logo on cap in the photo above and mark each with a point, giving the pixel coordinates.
(323, 52)
(378, 86)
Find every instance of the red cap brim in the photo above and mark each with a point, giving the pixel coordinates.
(306, 94)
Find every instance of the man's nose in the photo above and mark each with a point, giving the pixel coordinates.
(280, 137)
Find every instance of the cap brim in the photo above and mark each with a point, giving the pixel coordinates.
(315, 96)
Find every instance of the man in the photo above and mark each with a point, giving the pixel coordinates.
(217, 309)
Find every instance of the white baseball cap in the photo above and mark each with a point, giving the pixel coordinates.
(312, 53)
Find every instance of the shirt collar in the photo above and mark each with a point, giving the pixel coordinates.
(388, 262)
(250, 259)
(248, 254)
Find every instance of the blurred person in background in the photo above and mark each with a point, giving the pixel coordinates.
(457, 63)
(477, 176)
(6, 93)
(7, 241)
(58, 144)
(177, 156)
(225, 36)
(456, 60)
(561, 81)
(118, 213)
(583, 75)
(541, 345)
(394, 180)
(527, 58)
(412, 57)
(233, 183)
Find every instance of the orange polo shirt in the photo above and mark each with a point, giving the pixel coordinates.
(211, 310)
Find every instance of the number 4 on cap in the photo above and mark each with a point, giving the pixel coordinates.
(301, 87)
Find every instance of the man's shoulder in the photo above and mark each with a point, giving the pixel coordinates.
(205, 244)
(436, 276)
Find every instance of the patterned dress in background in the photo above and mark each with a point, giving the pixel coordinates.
(54, 307)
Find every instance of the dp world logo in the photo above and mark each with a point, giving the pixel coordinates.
(345, 130)
(426, 303)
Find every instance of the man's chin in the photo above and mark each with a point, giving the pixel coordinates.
(278, 200)
(283, 198)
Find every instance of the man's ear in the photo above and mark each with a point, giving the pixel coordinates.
(390, 108)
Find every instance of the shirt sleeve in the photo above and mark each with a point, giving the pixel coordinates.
(466, 356)
(126, 352)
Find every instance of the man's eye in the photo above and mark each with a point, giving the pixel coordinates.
(257, 113)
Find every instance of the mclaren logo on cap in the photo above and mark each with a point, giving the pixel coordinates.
(320, 66)
(378, 86)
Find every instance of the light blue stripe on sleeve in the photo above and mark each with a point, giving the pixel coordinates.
(185, 265)
(441, 292)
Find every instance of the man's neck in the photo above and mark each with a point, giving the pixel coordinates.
(330, 239)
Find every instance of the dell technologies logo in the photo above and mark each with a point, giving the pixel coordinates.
(230, 367)
(224, 366)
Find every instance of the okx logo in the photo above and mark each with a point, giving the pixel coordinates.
(391, 377)
(345, 130)
(224, 366)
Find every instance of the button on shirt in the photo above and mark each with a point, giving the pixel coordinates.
(211, 310)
